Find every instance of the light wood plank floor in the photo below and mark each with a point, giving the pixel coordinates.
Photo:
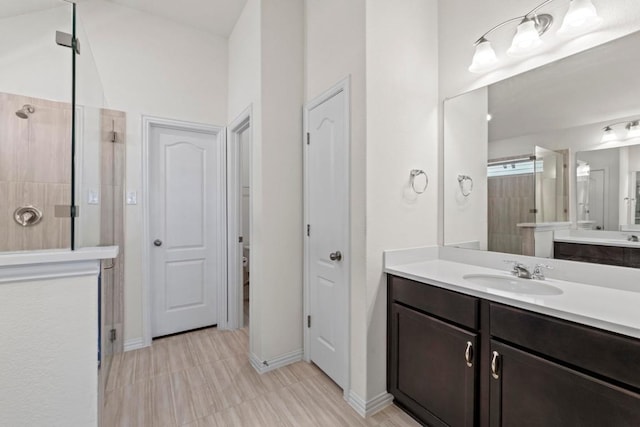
(204, 378)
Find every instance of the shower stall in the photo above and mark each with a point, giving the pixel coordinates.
(62, 152)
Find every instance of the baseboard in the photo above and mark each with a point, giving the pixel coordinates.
(263, 366)
(134, 344)
(369, 407)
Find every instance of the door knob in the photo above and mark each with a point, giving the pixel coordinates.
(335, 256)
(157, 242)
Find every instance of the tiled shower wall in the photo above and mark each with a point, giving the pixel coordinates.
(35, 169)
(510, 200)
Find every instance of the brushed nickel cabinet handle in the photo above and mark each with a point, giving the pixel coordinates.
(468, 354)
(495, 365)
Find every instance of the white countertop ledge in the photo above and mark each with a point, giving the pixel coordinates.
(35, 266)
(607, 308)
(54, 256)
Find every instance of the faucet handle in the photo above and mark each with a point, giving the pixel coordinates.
(537, 271)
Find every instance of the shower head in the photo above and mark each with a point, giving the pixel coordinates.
(25, 111)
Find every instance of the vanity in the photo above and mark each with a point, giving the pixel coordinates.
(470, 345)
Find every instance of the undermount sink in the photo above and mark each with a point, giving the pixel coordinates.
(513, 284)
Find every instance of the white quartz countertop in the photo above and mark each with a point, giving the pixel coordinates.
(597, 241)
(606, 308)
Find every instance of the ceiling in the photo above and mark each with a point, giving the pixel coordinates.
(217, 17)
(9, 8)
(598, 85)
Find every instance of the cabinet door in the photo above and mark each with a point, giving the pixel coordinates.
(527, 390)
(429, 373)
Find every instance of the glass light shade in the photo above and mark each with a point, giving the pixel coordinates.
(581, 17)
(484, 58)
(526, 39)
(609, 135)
(634, 130)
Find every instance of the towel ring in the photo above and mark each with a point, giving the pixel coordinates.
(413, 175)
(461, 180)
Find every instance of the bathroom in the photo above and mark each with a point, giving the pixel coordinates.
(252, 72)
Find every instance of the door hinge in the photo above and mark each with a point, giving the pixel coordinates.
(67, 40)
(533, 211)
(240, 239)
(113, 335)
(308, 138)
(308, 230)
(308, 321)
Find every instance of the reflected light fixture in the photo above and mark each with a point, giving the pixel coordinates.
(581, 17)
(632, 129)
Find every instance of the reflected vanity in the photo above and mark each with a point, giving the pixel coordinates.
(555, 157)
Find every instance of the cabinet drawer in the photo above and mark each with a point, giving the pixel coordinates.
(594, 350)
(454, 307)
(632, 257)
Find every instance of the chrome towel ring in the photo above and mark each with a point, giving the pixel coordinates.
(412, 177)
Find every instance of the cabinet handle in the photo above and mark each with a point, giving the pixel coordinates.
(468, 354)
(495, 365)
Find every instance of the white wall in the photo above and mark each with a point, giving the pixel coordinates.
(152, 66)
(402, 112)
(277, 235)
(335, 49)
(49, 351)
(466, 135)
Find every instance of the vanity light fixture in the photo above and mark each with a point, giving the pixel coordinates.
(581, 17)
(632, 129)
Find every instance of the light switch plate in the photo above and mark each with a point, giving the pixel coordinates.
(93, 197)
(132, 198)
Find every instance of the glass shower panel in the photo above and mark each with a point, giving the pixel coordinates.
(35, 125)
(549, 186)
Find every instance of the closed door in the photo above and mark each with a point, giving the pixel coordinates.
(597, 199)
(327, 213)
(187, 213)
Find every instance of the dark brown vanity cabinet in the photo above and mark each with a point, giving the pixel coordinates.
(432, 353)
(597, 254)
(526, 369)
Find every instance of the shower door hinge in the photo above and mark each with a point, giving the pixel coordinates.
(308, 138)
(67, 40)
(66, 211)
(308, 230)
(113, 335)
(308, 321)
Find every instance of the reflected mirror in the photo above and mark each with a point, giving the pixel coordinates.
(548, 161)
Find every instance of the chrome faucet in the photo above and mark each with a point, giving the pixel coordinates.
(519, 270)
(523, 272)
(633, 238)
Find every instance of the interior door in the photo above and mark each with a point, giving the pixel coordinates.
(327, 212)
(188, 240)
(596, 198)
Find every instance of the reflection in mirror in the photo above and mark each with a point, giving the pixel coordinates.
(544, 170)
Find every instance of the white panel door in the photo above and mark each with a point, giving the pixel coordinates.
(327, 212)
(597, 197)
(186, 211)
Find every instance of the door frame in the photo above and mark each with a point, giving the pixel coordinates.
(240, 124)
(218, 132)
(342, 86)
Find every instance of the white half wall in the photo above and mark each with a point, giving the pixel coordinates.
(48, 355)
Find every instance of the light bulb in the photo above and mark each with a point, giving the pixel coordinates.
(609, 135)
(484, 58)
(581, 17)
(526, 40)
